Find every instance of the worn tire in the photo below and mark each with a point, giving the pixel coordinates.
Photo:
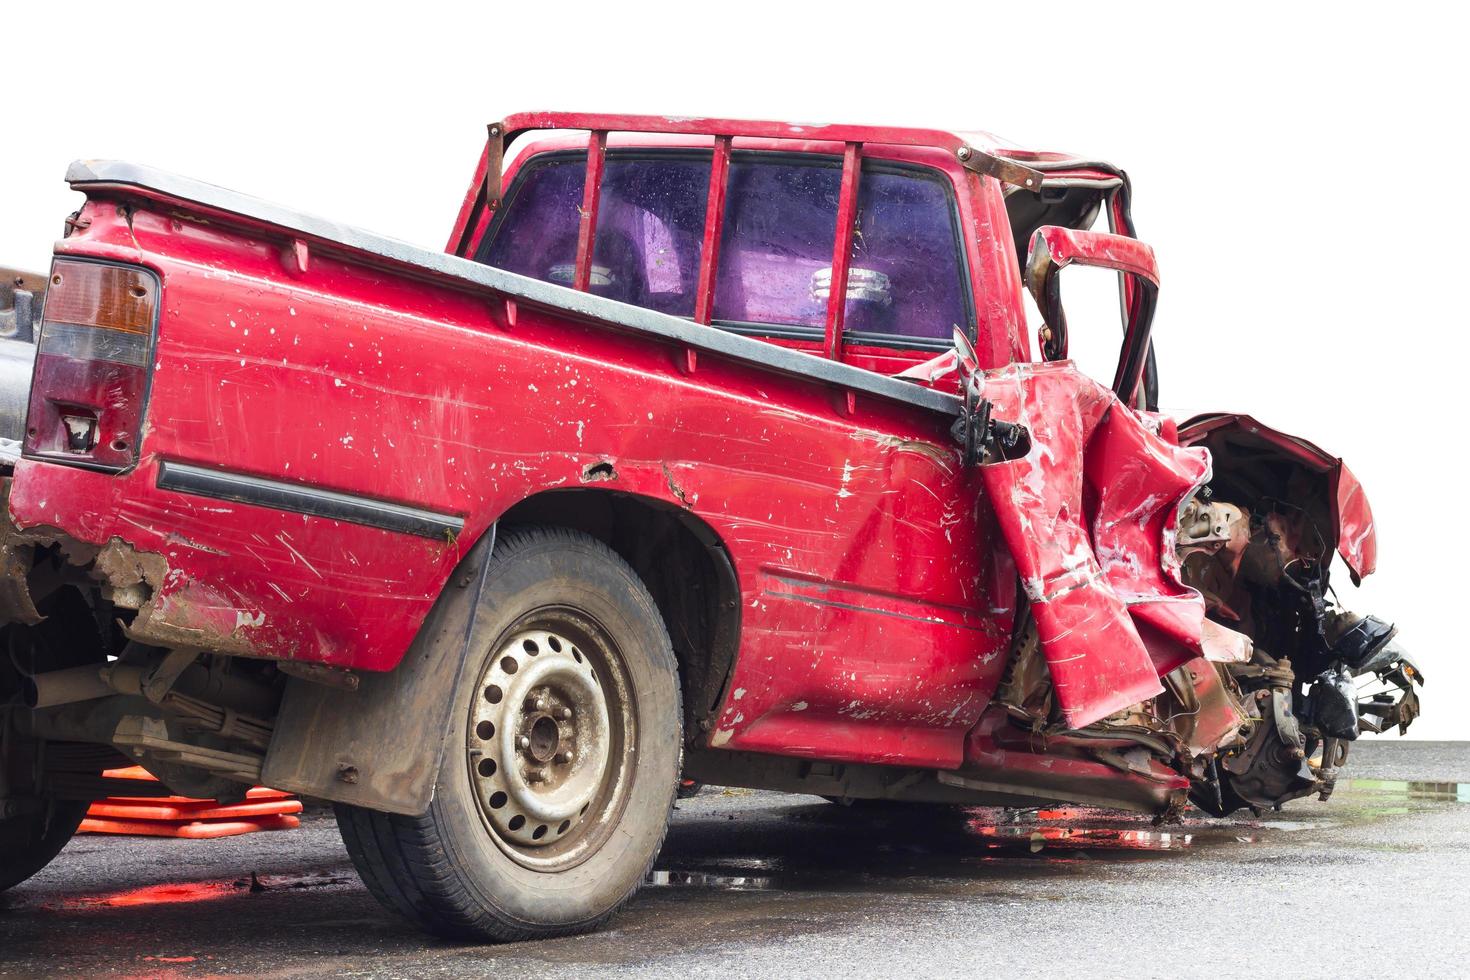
(29, 843)
(68, 636)
(460, 870)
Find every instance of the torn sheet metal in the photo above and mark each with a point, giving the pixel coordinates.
(1089, 516)
(1214, 716)
(1352, 529)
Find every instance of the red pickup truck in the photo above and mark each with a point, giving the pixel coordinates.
(706, 448)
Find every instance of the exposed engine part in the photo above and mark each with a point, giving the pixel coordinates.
(1198, 714)
(1263, 570)
(1271, 769)
(1327, 758)
(1332, 704)
(1211, 539)
(1273, 720)
(1207, 526)
(1026, 691)
(1356, 640)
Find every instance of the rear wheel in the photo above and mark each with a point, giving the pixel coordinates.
(29, 842)
(560, 767)
(68, 636)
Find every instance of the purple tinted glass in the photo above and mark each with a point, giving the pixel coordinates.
(536, 232)
(780, 224)
(650, 222)
(649, 228)
(905, 277)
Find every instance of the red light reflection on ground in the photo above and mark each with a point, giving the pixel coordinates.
(1073, 828)
(170, 893)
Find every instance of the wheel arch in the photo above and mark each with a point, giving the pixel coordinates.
(685, 566)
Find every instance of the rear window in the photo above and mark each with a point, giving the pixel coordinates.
(906, 284)
(906, 280)
(650, 222)
(780, 224)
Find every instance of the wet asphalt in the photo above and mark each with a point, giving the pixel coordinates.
(1376, 882)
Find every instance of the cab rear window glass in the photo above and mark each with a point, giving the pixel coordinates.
(905, 280)
(906, 285)
(650, 222)
(780, 224)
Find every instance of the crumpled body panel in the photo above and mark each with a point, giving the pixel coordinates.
(1089, 515)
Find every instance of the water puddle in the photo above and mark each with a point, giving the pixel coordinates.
(705, 879)
(837, 849)
(1408, 789)
(827, 848)
(1038, 839)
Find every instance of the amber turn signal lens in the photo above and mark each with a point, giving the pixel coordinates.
(110, 296)
(92, 361)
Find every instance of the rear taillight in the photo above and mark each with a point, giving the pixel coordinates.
(92, 364)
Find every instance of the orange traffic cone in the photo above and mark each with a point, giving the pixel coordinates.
(180, 816)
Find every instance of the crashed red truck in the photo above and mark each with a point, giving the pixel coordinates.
(706, 448)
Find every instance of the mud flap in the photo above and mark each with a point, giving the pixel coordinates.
(379, 746)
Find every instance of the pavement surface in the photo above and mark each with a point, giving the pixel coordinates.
(1371, 883)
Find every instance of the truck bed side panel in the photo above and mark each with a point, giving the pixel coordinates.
(876, 607)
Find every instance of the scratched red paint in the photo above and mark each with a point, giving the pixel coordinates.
(334, 379)
(877, 575)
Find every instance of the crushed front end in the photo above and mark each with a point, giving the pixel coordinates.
(1257, 543)
(1180, 629)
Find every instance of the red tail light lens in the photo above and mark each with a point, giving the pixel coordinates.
(92, 364)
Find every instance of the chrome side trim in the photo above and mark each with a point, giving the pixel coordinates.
(302, 499)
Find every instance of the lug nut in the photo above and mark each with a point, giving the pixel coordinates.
(539, 704)
(565, 757)
(564, 713)
(523, 742)
(536, 776)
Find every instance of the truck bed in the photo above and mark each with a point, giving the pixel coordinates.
(335, 418)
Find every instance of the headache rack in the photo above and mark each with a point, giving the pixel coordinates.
(475, 216)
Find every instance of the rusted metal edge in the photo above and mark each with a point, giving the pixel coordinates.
(16, 605)
(494, 161)
(85, 175)
(1003, 170)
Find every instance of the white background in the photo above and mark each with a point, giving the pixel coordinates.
(1296, 167)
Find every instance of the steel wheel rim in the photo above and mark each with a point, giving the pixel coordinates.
(548, 726)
